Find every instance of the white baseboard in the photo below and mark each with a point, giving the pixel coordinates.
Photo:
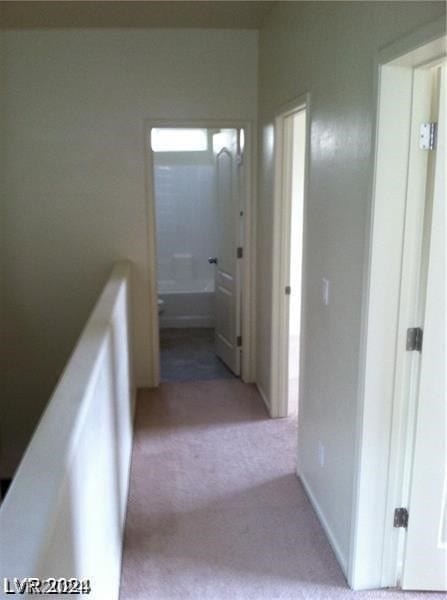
(328, 531)
(264, 397)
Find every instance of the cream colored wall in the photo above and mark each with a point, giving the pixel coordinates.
(329, 50)
(74, 199)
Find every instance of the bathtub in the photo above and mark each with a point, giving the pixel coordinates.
(191, 306)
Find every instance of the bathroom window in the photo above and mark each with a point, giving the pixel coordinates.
(179, 140)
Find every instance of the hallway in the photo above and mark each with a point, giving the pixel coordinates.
(215, 509)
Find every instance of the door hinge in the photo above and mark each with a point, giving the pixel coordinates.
(240, 252)
(428, 136)
(239, 341)
(400, 518)
(414, 339)
(288, 290)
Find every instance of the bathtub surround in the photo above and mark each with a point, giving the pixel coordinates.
(186, 230)
(185, 207)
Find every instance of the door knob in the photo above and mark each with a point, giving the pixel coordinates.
(212, 260)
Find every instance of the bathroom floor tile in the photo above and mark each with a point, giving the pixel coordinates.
(188, 355)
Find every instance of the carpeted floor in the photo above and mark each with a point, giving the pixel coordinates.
(216, 511)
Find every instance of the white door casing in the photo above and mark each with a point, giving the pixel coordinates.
(227, 278)
(411, 297)
(295, 261)
(425, 559)
(386, 419)
(291, 148)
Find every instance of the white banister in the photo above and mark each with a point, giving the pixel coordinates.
(63, 515)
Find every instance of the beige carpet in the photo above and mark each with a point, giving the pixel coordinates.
(216, 511)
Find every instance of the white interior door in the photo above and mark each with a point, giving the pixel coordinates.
(425, 559)
(227, 280)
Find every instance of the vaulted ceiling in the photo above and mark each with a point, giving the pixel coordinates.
(220, 14)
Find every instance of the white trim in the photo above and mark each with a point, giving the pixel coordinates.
(422, 36)
(328, 531)
(407, 364)
(370, 552)
(248, 306)
(151, 240)
(281, 253)
(264, 397)
(280, 271)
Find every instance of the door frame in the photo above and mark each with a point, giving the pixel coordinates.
(282, 210)
(248, 266)
(383, 421)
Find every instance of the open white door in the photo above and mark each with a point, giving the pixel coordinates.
(425, 560)
(227, 280)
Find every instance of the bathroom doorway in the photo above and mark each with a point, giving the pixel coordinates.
(198, 192)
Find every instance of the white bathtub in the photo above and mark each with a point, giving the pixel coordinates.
(193, 306)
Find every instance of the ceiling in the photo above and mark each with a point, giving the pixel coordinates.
(219, 14)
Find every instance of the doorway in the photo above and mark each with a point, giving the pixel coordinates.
(419, 427)
(399, 530)
(291, 135)
(428, 488)
(200, 212)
